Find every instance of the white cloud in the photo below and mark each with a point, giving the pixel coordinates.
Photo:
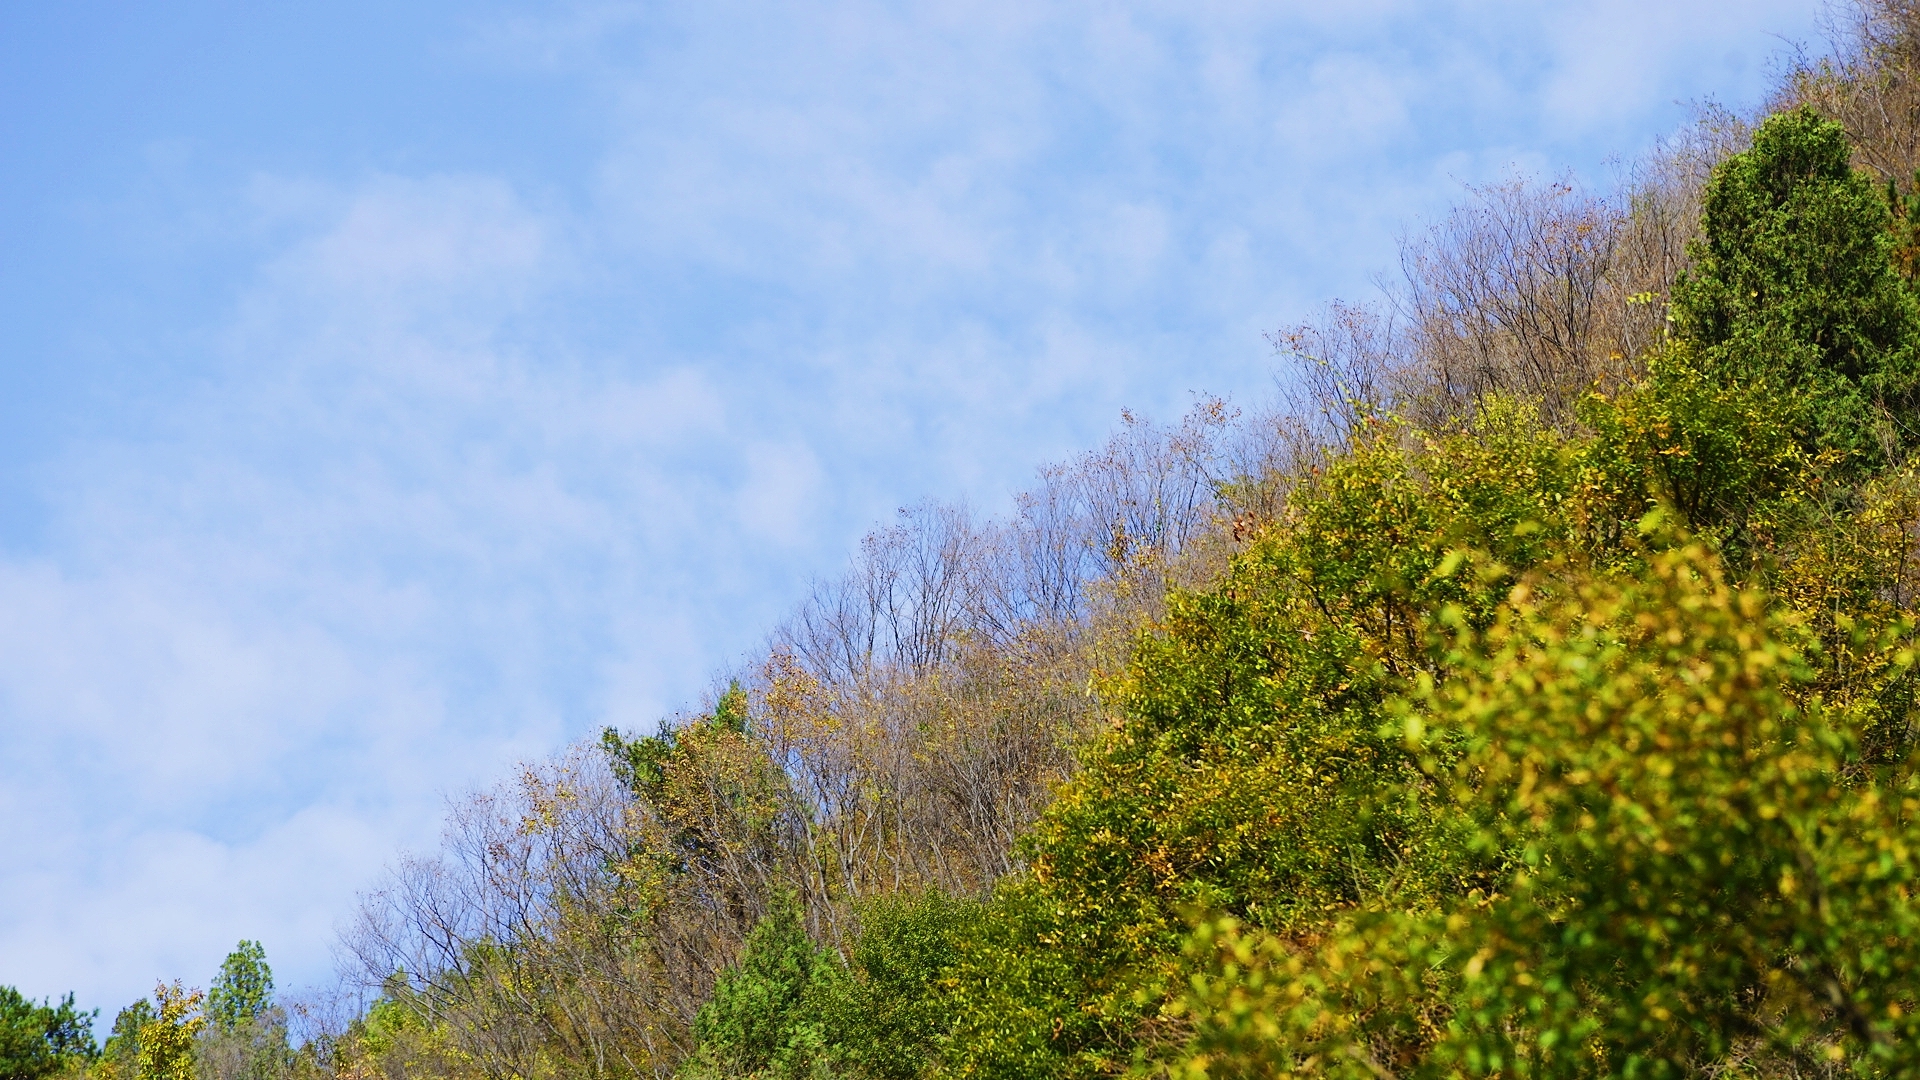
(780, 493)
(379, 560)
(1614, 58)
(1350, 103)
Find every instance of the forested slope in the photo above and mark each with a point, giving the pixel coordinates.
(1530, 694)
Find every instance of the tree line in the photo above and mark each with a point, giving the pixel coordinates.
(234, 1030)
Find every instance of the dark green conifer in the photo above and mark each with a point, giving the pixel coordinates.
(1794, 291)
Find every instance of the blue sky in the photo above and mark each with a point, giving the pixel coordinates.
(391, 392)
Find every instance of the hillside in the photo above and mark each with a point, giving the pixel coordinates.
(1532, 693)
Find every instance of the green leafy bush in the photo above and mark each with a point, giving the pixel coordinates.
(766, 1017)
(1697, 876)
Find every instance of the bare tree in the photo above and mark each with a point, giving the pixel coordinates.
(1869, 83)
(536, 936)
(1542, 292)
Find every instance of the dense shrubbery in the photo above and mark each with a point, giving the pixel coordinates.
(1478, 761)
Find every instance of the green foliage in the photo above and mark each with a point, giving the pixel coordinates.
(246, 1035)
(1794, 292)
(1380, 749)
(716, 796)
(766, 1016)
(394, 1038)
(167, 1040)
(1250, 773)
(1727, 455)
(790, 1008)
(243, 990)
(713, 819)
(641, 764)
(39, 1039)
(1694, 863)
(1792, 374)
(387, 1024)
(120, 1057)
(888, 1014)
(1696, 875)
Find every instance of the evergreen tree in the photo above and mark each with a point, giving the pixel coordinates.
(243, 990)
(764, 1017)
(39, 1039)
(1794, 292)
(247, 1037)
